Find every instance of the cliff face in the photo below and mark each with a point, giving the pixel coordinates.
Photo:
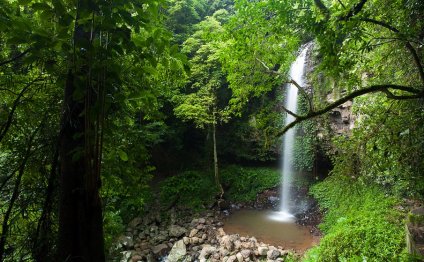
(341, 118)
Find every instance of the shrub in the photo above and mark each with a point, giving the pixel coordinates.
(192, 189)
(360, 222)
(244, 183)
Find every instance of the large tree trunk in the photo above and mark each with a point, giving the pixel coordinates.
(215, 161)
(80, 209)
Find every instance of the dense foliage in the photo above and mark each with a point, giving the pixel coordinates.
(97, 98)
(360, 222)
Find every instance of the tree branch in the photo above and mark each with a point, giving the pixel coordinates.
(341, 3)
(15, 58)
(4, 128)
(372, 89)
(322, 8)
(290, 112)
(300, 88)
(354, 10)
(304, 93)
(408, 45)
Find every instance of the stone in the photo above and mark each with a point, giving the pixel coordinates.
(201, 220)
(204, 236)
(186, 240)
(194, 240)
(224, 252)
(263, 250)
(193, 232)
(200, 227)
(237, 244)
(221, 232)
(239, 257)
(126, 241)
(126, 256)
(176, 231)
(207, 250)
(178, 251)
(245, 253)
(135, 222)
(232, 258)
(136, 258)
(160, 250)
(227, 242)
(273, 254)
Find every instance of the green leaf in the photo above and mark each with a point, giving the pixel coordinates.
(122, 155)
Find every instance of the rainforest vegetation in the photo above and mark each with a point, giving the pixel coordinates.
(110, 109)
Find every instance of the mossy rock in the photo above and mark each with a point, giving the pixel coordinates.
(416, 216)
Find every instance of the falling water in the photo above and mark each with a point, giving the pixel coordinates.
(297, 74)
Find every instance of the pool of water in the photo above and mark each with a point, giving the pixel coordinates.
(266, 226)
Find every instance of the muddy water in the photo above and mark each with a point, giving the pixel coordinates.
(262, 225)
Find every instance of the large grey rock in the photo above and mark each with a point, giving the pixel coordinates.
(178, 252)
(245, 253)
(125, 241)
(263, 250)
(135, 222)
(273, 254)
(160, 250)
(176, 231)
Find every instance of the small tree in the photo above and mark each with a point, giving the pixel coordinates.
(202, 103)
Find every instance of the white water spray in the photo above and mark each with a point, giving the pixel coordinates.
(297, 71)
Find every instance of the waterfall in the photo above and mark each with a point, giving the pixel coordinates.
(297, 74)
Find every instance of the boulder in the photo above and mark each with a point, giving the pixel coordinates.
(263, 250)
(135, 222)
(176, 231)
(193, 232)
(239, 257)
(221, 232)
(227, 242)
(245, 253)
(207, 250)
(273, 254)
(160, 250)
(125, 241)
(186, 240)
(178, 251)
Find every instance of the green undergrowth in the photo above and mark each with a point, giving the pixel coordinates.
(360, 222)
(192, 189)
(196, 189)
(244, 183)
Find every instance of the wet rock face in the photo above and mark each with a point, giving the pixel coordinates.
(201, 239)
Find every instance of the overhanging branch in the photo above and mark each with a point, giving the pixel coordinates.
(408, 45)
(416, 94)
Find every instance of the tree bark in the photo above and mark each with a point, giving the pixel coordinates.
(80, 209)
(215, 159)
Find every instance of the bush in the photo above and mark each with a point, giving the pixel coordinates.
(193, 189)
(244, 183)
(360, 222)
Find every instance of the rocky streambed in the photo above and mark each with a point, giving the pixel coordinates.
(182, 236)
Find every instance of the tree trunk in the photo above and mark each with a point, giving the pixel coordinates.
(80, 209)
(215, 161)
